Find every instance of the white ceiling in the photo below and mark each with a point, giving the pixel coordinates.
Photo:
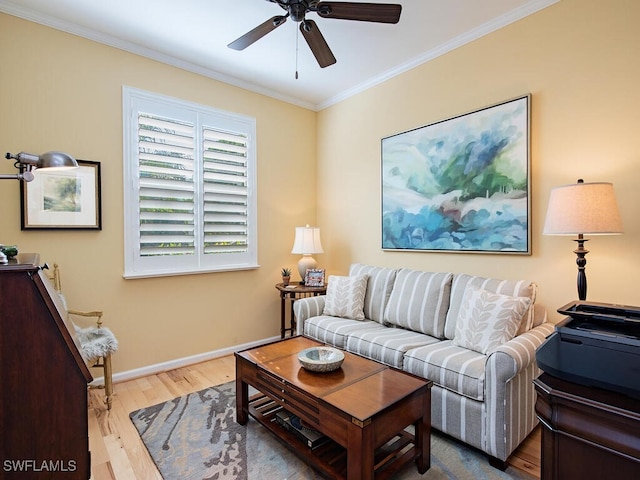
(193, 34)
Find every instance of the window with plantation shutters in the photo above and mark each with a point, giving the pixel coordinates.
(189, 187)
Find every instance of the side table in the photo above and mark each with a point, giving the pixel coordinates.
(293, 292)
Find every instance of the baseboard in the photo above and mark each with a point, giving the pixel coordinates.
(180, 362)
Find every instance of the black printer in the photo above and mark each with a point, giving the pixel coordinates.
(597, 345)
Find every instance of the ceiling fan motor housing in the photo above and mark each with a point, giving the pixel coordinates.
(297, 11)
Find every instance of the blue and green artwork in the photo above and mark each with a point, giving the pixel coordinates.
(461, 184)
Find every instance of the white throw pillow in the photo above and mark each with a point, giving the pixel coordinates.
(345, 297)
(488, 320)
(513, 288)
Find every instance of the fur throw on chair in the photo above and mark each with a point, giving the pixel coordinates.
(96, 342)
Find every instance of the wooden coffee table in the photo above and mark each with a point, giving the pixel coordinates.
(364, 408)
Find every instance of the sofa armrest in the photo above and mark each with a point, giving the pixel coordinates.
(521, 350)
(509, 391)
(306, 308)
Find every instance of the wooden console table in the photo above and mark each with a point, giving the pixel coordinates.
(587, 432)
(292, 292)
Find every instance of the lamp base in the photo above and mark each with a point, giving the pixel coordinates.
(581, 252)
(305, 263)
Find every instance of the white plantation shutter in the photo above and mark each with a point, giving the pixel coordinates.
(190, 203)
(225, 191)
(166, 195)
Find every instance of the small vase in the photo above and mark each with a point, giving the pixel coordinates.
(285, 281)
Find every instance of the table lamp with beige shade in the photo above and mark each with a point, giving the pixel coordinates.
(583, 209)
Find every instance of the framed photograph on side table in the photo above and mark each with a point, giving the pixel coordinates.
(314, 278)
(63, 199)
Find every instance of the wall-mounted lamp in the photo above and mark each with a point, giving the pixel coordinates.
(306, 243)
(27, 163)
(582, 209)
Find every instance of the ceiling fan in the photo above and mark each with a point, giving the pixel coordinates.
(297, 10)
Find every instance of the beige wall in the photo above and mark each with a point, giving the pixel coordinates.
(580, 61)
(62, 92)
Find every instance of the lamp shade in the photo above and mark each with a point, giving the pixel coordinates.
(583, 208)
(307, 241)
(57, 160)
(27, 162)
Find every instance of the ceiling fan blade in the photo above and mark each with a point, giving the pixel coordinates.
(364, 12)
(317, 43)
(257, 33)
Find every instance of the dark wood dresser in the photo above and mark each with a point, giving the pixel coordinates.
(43, 380)
(587, 433)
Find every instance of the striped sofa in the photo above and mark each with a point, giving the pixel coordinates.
(484, 400)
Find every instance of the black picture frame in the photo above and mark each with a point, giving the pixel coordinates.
(63, 199)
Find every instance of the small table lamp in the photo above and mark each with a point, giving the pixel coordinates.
(582, 209)
(307, 243)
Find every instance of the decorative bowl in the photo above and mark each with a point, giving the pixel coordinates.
(321, 359)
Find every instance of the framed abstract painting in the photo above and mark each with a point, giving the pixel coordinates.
(461, 184)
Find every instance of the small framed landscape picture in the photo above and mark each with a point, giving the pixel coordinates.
(314, 278)
(63, 199)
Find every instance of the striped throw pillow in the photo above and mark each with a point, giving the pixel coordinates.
(379, 284)
(419, 301)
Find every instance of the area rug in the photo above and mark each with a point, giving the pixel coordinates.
(196, 437)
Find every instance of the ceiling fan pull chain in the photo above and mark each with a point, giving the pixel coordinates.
(297, 36)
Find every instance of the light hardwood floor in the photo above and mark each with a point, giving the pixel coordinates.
(117, 453)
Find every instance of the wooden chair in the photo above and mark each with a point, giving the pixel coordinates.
(98, 343)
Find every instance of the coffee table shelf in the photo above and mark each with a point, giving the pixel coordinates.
(330, 458)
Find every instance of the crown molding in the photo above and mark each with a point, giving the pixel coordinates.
(115, 42)
(484, 29)
(468, 37)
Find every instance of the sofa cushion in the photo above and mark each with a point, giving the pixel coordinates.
(488, 320)
(386, 344)
(345, 297)
(379, 288)
(333, 330)
(454, 368)
(514, 288)
(419, 301)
